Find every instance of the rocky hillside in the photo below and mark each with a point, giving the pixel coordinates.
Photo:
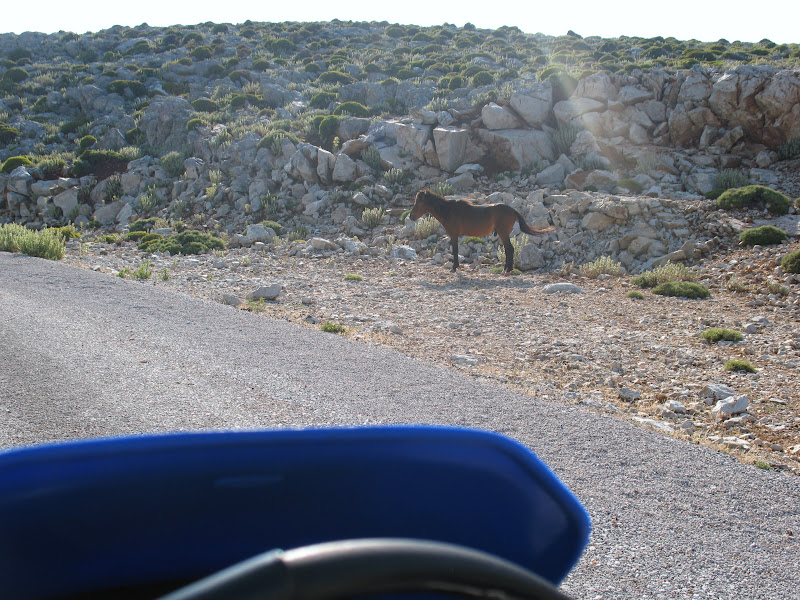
(620, 143)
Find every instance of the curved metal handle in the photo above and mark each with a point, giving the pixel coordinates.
(348, 568)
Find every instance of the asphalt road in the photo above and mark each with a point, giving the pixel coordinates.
(84, 354)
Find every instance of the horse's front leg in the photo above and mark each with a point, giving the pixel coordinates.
(454, 242)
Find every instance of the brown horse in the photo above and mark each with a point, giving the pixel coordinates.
(461, 217)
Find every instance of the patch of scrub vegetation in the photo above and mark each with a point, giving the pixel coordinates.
(754, 196)
(762, 236)
(717, 334)
(47, 243)
(682, 289)
(186, 242)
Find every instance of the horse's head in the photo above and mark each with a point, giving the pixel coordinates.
(421, 206)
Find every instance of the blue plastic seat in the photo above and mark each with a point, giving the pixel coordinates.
(104, 514)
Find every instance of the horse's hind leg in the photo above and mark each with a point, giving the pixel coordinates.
(454, 242)
(509, 256)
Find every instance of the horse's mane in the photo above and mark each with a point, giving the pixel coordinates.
(439, 200)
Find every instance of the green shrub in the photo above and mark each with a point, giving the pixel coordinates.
(328, 127)
(329, 327)
(99, 162)
(668, 272)
(742, 366)
(135, 137)
(395, 176)
(730, 178)
(87, 141)
(274, 225)
(482, 78)
(353, 277)
(754, 196)
(173, 163)
(564, 138)
(202, 52)
(372, 217)
(239, 101)
(322, 100)
(635, 294)
(13, 162)
(272, 140)
(8, 134)
(790, 149)
(47, 243)
(335, 77)
(355, 109)
(120, 86)
(149, 237)
(443, 188)
(602, 266)
(195, 123)
(762, 236)
(682, 289)
(204, 105)
(144, 225)
(73, 126)
(372, 157)
(425, 227)
(15, 74)
(187, 242)
(791, 262)
(715, 334)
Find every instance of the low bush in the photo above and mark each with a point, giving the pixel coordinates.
(355, 109)
(123, 86)
(668, 272)
(730, 178)
(204, 105)
(335, 77)
(100, 162)
(173, 163)
(187, 242)
(87, 141)
(8, 134)
(193, 124)
(715, 334)
(682, 289)
(762, 236)
(754, 196)
(482, 78)
(47, 243)
(741, 366)
(789, 150)
(16, 74)
(791, 262)
(602, 266)
(372, 217)
(329, 327)
(322, 100)
(13, 162)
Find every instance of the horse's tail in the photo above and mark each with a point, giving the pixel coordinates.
(525, 228)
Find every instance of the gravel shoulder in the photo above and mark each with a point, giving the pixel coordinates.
(638, 360)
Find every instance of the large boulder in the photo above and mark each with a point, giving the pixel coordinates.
(515, 149)
(451, 145)
(498, 117)
(164, 122)
(696, 88)
(413, 139)
(567, 110)
(534, 104)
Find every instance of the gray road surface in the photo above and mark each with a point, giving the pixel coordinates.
(85, 354)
